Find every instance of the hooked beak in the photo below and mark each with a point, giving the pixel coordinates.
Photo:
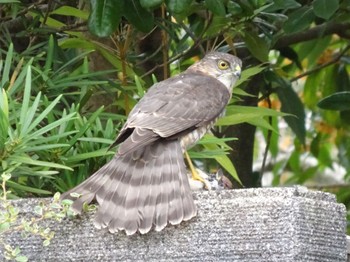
(237, 72)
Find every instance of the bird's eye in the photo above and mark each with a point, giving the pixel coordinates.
(222, 64)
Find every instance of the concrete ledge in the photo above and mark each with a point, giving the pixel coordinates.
(263, 224)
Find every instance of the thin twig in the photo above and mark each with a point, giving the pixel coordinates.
(165, 43)
(73, 26)
(194, 38)
(268, 142)
(197, 42)
(333, 61)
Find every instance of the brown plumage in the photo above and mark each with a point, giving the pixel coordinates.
(145, 185)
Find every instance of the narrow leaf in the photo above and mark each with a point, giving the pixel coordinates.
(26, 99)
(292, 104)
(29, 161)
(80, 157)
(249, 72)
(17, 186)
(7, 67)
(225, 162)
(30, 115)
(50, 126)
(71, 11)
(49, 56)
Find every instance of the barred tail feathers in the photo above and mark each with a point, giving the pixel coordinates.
(139, 190)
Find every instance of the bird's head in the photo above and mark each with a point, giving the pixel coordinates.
(222, 66)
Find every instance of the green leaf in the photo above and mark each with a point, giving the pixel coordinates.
(140, 90)
(83, 156)
(150, 4)
(241, 92)
(262, 123)
(29, 161)
(46, 243)
(49, 127)
(43, 114)
(4, 120)
(105, 16)
(217, 24)
(71, 11)
(339, 101)
(84, 128)
(234, 8)
(50, 54)
(138, 16)
(178, 6)
(299, 20)
(313, 49)
(345, 116)
(9, 1)
(211, 139)
(18, 84)
(342, 80)
(256, 45)
(292, 104)
(17, 186)
(76, 43)
(26, 99)
(42, 147)
(4, 226)
(311, 86)
(30, 115)
(38, 210)
(224, 161)
(216, 6)
(249, 72)
(21, 259)
(97, 140)
(242, 114)
(325, 8)
(7, 67)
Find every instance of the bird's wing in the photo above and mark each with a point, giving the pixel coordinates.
(176, 105)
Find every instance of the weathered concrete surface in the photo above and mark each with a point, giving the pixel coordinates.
(265, 224)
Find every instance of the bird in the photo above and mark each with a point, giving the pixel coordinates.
(145, 185)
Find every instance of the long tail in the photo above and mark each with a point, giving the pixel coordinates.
(139, 190)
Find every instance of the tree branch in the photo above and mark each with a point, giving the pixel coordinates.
(341, 29)
(313, 33)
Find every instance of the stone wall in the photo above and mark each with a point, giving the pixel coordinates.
(263, 224)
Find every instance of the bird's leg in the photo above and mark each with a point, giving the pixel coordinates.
(195, 174)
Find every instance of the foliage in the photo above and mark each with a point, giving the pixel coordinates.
(10, 221)
(43, 135)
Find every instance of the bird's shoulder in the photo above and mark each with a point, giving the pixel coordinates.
(184, 82)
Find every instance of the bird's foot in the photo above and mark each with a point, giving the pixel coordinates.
(197, 175)
(198, 180)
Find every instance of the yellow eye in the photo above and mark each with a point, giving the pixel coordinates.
(223, 65)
